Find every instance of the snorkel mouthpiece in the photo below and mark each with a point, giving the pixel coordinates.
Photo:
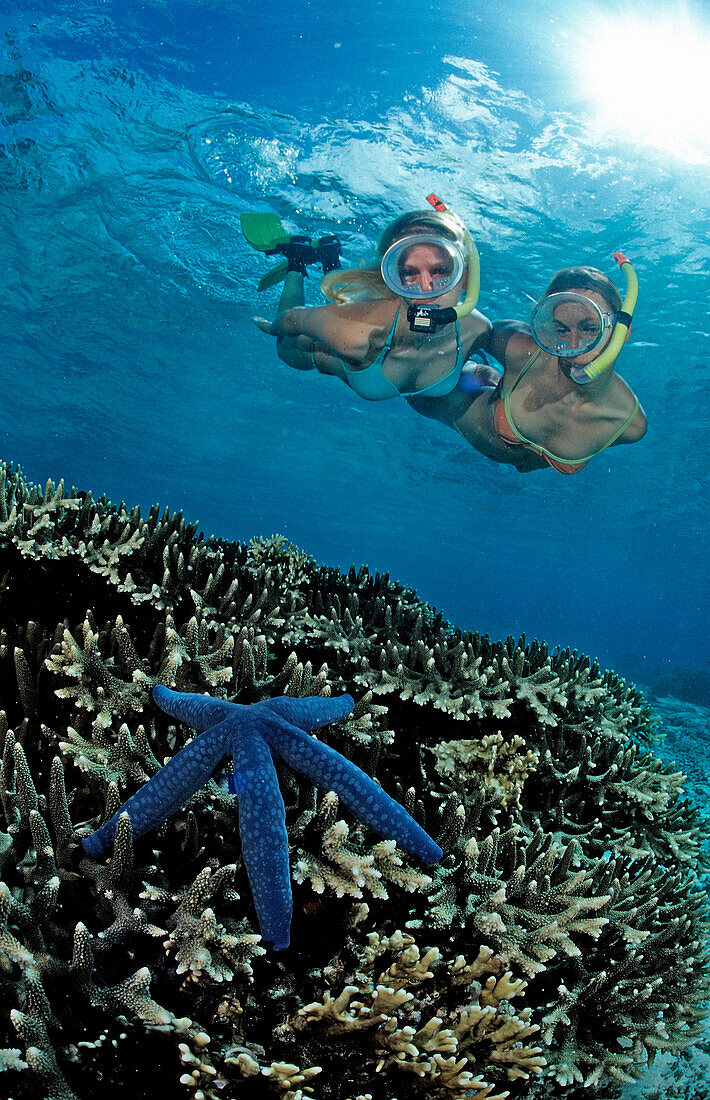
(621, 327)
(429, 318)
(424, 318)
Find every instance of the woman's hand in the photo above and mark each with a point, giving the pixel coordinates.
(478, 378)
(487, 375)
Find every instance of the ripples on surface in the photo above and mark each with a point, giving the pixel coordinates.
(133, 368)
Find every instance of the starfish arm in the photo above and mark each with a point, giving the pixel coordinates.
(198, 711)
(168, 789)
(330, 771)
(313, 712)
(262, 830)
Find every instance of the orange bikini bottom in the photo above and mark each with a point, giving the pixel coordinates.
(505, 432)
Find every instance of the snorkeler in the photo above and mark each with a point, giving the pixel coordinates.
(559, 402)
(403, 327)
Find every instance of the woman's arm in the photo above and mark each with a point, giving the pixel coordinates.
(507, 341)
(301, 351)
(304, 353)
(295, 351)
(637, 428)
(340, 331)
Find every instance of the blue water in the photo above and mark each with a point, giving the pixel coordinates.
(132, 135)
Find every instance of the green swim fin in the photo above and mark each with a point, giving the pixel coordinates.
(274, 276)
(264, 232)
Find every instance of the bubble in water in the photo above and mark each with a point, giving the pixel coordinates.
(241, 152)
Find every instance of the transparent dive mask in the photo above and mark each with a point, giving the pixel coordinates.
(569, 324)
(423, 266)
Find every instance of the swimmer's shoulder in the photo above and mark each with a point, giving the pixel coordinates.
(511, 343)
(366, 326)
(475, 327)
(628, 401)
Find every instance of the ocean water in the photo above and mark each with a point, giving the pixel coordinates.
(131, 137)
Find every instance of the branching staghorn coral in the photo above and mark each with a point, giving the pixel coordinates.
(97, 688)
(203, 946)
(570, 850)
(620, 797)
(521, 894)
(503, 766)
(434, 1050)
(346, 866)
(196, 656)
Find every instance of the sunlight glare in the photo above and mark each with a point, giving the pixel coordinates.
(649, 76)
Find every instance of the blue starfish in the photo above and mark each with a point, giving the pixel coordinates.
(252, 735)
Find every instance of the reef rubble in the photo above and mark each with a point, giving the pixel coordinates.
(558, 946)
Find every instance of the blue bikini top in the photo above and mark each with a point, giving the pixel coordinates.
(371, 383)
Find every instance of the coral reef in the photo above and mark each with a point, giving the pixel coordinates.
(557, 947)
(686, 1077)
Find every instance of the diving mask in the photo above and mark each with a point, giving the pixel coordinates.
(423, 266)
(569, 324)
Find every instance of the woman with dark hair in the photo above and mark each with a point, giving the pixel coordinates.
(558, 402)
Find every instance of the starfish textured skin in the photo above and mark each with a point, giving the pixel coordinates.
(252, 735)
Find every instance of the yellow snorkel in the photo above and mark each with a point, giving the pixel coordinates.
(474, 277)
(426, 318)
(622, 324)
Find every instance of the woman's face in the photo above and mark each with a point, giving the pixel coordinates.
(424, 266)
(577, 325)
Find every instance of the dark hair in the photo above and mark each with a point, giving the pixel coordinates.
(585, 278)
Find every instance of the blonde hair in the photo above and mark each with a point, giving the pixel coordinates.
(365, 284)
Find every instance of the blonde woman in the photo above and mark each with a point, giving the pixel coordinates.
(404, 327)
